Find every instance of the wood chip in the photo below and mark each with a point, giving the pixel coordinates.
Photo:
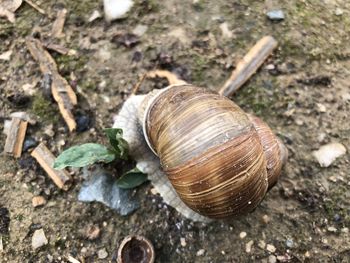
(38, 201)
(171, 77)
(61, 91)
(35, 6)
(60, 49)
(15, 137)
(249, 65)
(8, 8)
(46, 160)
(57, 27)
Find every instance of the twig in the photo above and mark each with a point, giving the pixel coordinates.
(35, 6)
(46, 160)
(138, 84)
(15, 137)
(61, 91)
(171, 77)
(57, 27)
(249, 65)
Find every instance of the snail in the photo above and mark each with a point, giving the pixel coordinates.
(210, 159)
(216, 161)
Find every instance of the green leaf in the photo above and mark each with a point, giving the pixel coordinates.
(83, 155)
(120, 146)
(132, 179)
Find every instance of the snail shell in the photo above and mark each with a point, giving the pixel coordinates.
(220, 160)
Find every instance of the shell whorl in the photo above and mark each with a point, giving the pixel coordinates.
(213, 153)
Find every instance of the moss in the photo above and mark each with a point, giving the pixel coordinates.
(45, 109)
(198, 69)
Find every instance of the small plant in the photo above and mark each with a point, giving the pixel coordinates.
(91, 153)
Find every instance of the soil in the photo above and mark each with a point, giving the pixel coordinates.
(304, 97)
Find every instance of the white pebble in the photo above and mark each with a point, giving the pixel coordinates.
(200, 252)
(115, 9)
(39, 239)
(102, 253)
(248, 246)
(271, 248)
(327, 154)
(242, 235)
(332, 229)
(183, 242)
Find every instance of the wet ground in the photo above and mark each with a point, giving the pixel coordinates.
(302, 92)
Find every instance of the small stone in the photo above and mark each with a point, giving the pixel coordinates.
(83, 123)
(200, 252)
(140, 30)
(321, 137)
(321, 108)
(248, 246)
(327, 154)
(183, 242)
(102, 253)
(271, 248)
(29, 143)
(38, 201)
(39, 239)
(289, 243)
(92, 232)
(262, 244)
(337, 218)
(299, 122)
(338, 12)
(345, 230)
(49, 130)
(270, 67)
(307, 254)
(332, 229)
(266, 219)
(6, 55)
(275, 15)
(115, 9)
(242, 235)
(226, 33)
(96, 14)
(272, 259)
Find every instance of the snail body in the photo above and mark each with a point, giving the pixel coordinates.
(220, 160)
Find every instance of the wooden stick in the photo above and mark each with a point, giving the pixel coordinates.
(46, 160)
(61, 91)
(249, 65)
(57, 27)
(35, 6)
(171, 77)
(15, 137)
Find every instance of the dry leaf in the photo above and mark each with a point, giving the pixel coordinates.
(8, 7)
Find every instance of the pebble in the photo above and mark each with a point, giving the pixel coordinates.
(270, 67)
(102, 253)
(200, 252)
(49, 130)
(327, 154)
(272, 259)
(262, 244)
(92, 232)
(339, 12)
(226, 32)
(345, 230)
(248, 246)
(140, 30)
(271, 248)
(183, 242)
(96, 14)
(115, 9)
(29, 143)
(289, 243)
(242, 235)
(332, 229)
(275, 15)
(321, 108)
(266, 219)
(83, 123)
(38, 201)
(39, 239)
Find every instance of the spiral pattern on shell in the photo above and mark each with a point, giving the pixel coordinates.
(220, 161)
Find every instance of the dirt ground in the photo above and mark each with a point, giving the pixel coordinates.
(304, 97)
